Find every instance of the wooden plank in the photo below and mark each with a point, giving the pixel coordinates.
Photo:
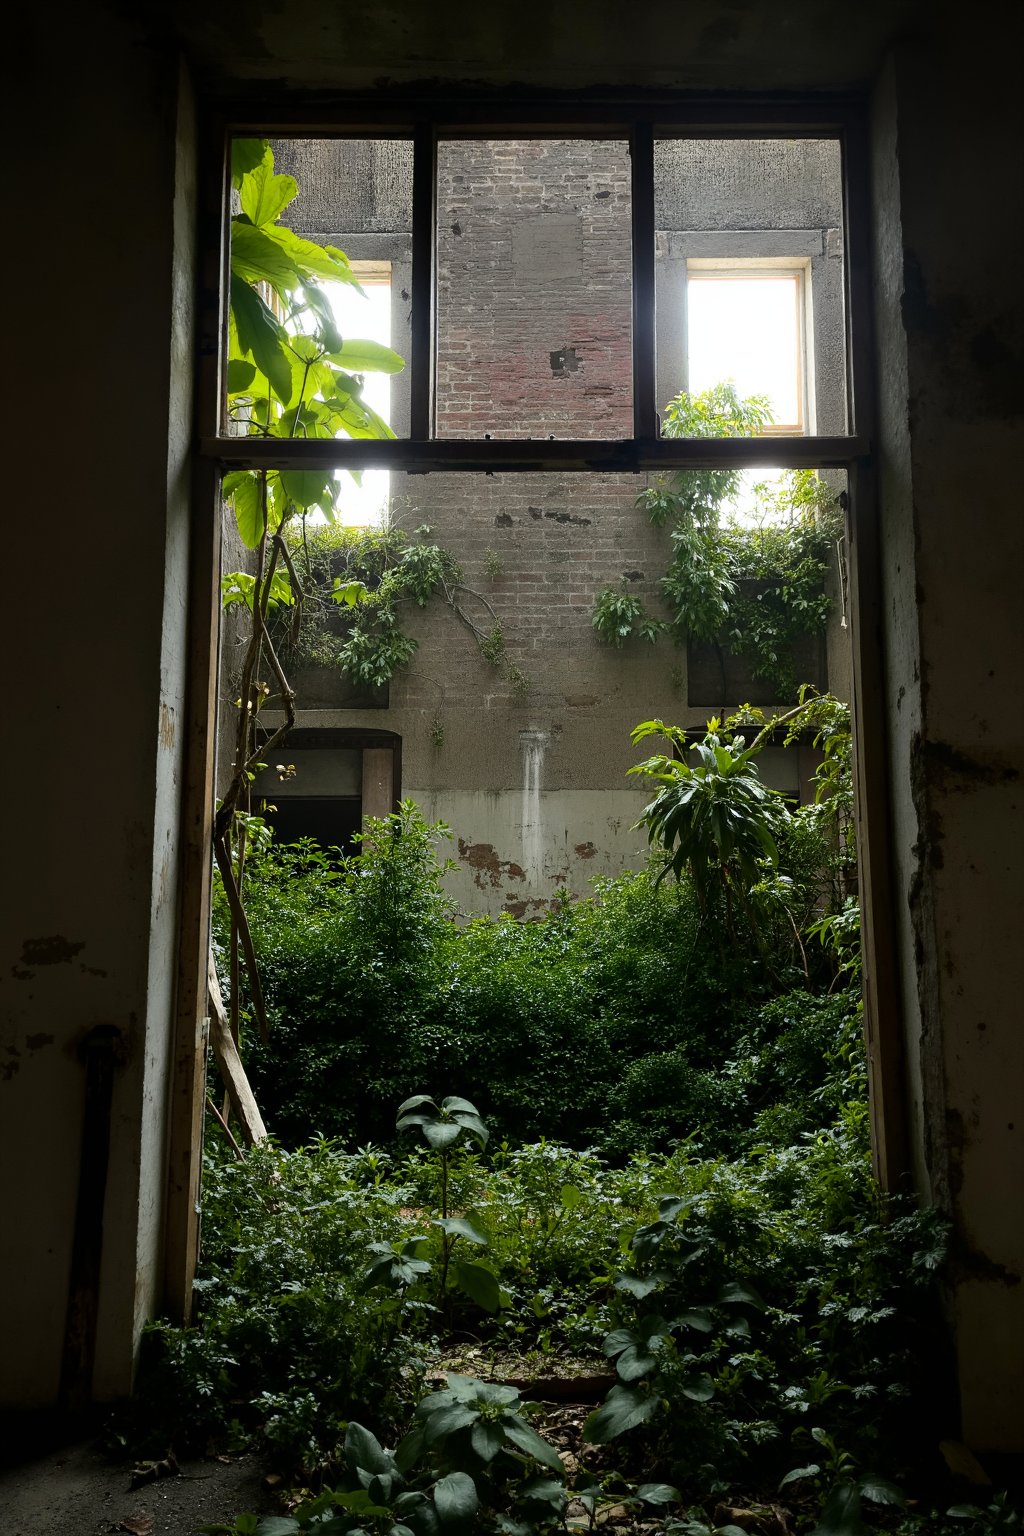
(229, 1063)
(378, 782)
(188, 1066)
(883, 1030)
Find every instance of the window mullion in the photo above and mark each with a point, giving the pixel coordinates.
(423, 340)
(645, 406)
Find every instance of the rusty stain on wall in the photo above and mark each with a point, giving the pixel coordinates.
(519, 909)
(483, 859)
(585, 850)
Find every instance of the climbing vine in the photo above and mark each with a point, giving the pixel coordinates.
(357, 583)
(756, 589)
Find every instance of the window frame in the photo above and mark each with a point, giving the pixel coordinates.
(639, 123)
(764, 269)
(638, 117)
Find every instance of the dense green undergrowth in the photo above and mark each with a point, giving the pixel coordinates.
(622, 1021)
(633, 1153)
(803, 1285)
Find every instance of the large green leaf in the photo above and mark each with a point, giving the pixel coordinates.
(478, 1282)
(363, 1449)
(259, 260)
(641, 1286)
(260, 336)
(841, 1513)
(487, 1439)
(277, 1525)
(240, 375)
(312, 260)
(880, 1490)
(263, 194)
(441, 1133)
(446, 1421)
(624, 1408)
(458, 1226)
(305, 486)
(247, 499)
(456, 1499)
(246, 155)
(635, 1362)
(699, 1389)
(417, 1101)
(658, 1493)
(367, 357)
(526, 1438)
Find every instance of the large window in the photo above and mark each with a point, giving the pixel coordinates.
(615, 266)
(728, 206)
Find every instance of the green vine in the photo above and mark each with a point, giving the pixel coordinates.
(755, 590)
(356, 582)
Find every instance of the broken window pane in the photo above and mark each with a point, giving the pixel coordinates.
(534, 301)
(750, 326)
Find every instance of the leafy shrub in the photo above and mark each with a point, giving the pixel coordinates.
(611, 1022)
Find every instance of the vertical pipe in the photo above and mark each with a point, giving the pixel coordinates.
(99, 1050)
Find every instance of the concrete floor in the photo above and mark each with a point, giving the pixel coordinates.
(69, 1487)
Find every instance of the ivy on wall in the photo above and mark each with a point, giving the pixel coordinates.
(357, 585)
(756, 588)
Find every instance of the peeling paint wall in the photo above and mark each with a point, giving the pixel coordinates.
(950, 339)
(88, 933)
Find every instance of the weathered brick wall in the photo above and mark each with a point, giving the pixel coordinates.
(534, 310)
(557, 540)
(534, 293)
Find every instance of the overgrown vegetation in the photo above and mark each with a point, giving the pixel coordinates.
(356, 582)
(756, 588)
(622, 1151)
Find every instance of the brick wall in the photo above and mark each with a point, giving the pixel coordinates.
(534, 311)
(534, 295)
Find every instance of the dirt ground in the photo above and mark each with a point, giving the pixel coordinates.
(69, 1487)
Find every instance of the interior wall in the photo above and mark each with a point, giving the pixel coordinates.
(103, 326)
(950, 351)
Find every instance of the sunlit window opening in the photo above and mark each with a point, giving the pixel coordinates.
(747, 326)
(366, 316)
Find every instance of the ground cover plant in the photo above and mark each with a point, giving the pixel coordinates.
(586, 1233)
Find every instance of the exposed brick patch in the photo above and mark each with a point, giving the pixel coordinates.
(483, 860)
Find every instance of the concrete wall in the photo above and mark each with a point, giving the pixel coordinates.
(92, 793)
(949, 342)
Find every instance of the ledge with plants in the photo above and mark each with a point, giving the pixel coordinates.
(756, 589)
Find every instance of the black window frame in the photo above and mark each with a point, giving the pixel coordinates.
(639, 123)
(640, 119)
